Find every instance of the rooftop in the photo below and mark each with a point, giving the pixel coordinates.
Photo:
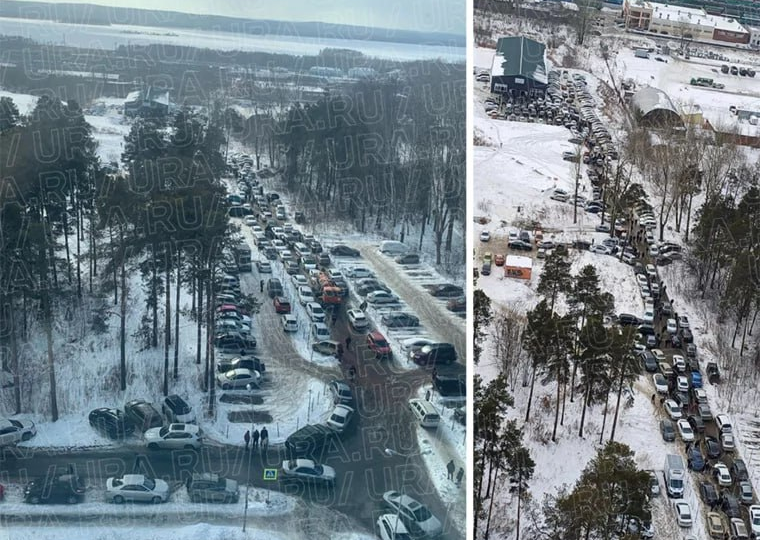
(518, 261)
(518, 55)
(693, 16)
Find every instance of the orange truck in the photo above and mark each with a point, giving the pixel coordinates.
(325, 289)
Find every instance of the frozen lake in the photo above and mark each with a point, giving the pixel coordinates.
(109, 37)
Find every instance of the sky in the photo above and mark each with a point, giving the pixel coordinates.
(422, 15)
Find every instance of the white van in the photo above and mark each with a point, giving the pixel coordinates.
(723, 423)
(425, 413)
(392, 247)
(301, 249)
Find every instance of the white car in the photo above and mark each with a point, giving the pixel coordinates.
(340, 418)
(381, 297)
(315, 312)
(754, 519)
(685, 431)
(645, 291)
(250, 221)
(648, 316)
(485, 236)
(683, 514)
(672, 326)
(660, 383)
(299, 280)
(238, 378)
(642, 279)
(320, 331)
(682, 383)
(357, 319)
(413, 511)
(390, 527)
(13, 431)
(359, 272)
(683, 321)
(308, 471)
(601, 249)
(264, 267)
(173, 437)
(659, 355)
(651, 271)
(305, 295)
(679, 363)
(722, 475)
(654, 251)
(136, 487)
(226, 326)
(672, 409)
(415, 343)
(256, 229)
(289, 323)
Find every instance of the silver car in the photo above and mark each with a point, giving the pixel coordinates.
(13, 431)
(174, 436)
(138, 488)
(238, 378)
(413, 511)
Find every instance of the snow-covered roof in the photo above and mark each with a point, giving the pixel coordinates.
(133, 96)
(650, 99)
(518, 261)
(694, 16)
(518, 55)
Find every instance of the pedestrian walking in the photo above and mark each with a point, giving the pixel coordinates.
(247, 439)
(340, 351)
(460, 475)
(450, 468)
(427, 395)
(653, 396)
(264, 440)
(334, 316)
(348, 342)
(261, 286)
(662, 400)
(255, 437)
(434, 374)
(351, 373)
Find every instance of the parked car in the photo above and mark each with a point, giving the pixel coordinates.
(672, 409)
(281, 305)
(722, 474)
(754, 520)
(357, 319)
(683, 514)
(390, 527)
(668, 430)
(142, 415)
(457, 305)
(711, 447)
(274, 287)
(212, 488)
(412, 511)
(235, 343)
(445, 290)
(327, 346)
(694, 459)
(340, 418)
(236, 379)
(409, 258)
(381, 297)
(344, 251)
(307, 470)
(730, 504)
(176, 410)
(341, 392)
(739, 470)
(113, 423)
(250, 362)
(715, 526)
(434, 353)
(485, 236)
(400, 320)
(746, 493)
(708, 493)
(63, 488)
(136, 488)
(174, 437)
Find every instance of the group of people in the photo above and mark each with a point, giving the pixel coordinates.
(257, 437)
(451, 468)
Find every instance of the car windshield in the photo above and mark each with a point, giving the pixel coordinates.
(163, 431)
(318, 469)
(381, 343)
(422, 513)
(756, 519)
(149, 483)
(676, 483)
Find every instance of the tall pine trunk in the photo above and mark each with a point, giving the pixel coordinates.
(200, 319)
(167, 318)
(586, 396)
(176, 314)
(557, 406)
(123, 319)
(154, 294)
(617, 404)
(530, 394)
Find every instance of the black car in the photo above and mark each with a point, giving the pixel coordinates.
(739, 470)
(667, 430)
(695, 459)
(646, 330)
(486, 269)
(308, 440)
(450, 385)
(210, 488)
(143, 415)
(649, 361)
(274, 287)
(713, 373)
(519, 245)
(696, 423)
(708, 493)
(712, 447)
(323, 260)
(434, 353)
(253, 363)
(111, 422)
(687, 336)
(626, 319)
(730, 504)
(691, 350)
(344, 251)
(675, 341)
(400, 320)
(457, 305)
(64, 488)
(176, 409)
(409, 258)
(368, 285)
(446, 290)
(300, 217)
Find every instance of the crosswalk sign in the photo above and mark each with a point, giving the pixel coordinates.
(270, 474)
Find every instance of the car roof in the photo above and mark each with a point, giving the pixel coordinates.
(190, 428)
(133, 478)
(375, 334)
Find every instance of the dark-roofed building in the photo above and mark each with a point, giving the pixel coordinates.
(519, 67)
(149, 103)
(653, 108)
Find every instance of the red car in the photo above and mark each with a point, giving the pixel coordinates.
(499, 259)
(231, 307)
(281, 305)
(377, 343)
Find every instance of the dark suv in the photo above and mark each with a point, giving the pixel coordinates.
(176, 409)
(274, 287)
(208, 487)
(450, 386)
(308, 440)
(434, 353)
(65, 488)
(143, 415)
(111, 422)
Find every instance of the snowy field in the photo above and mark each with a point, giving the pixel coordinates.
(109, 37)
